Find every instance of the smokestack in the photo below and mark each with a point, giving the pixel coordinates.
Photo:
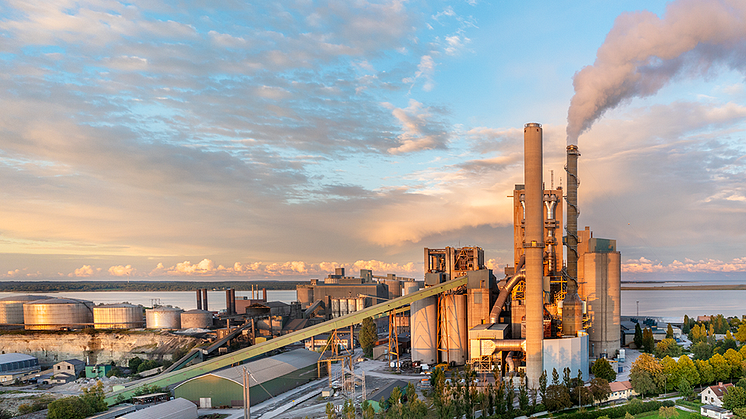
(533, 246)
(204, 299)
(233, 301)
(199, 299)
(228, 308)
(572, 306)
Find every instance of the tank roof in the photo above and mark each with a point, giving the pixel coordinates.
(165, 309)
(61, 301)
(27, 297)
(120, 305)
(197, 311)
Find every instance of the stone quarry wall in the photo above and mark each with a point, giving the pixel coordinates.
(96, 347)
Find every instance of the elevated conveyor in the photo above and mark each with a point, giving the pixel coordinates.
(174, 377)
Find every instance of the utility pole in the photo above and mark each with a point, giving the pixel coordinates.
(246, 395)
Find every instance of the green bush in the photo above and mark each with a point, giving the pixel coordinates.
(620, 411)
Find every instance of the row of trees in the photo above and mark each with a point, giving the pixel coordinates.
(652, 376)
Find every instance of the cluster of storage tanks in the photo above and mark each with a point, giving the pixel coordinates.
(35, 312)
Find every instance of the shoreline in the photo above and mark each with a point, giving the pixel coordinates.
(730, 287)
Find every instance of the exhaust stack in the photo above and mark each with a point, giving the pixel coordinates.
(534, 251)
(572, 306)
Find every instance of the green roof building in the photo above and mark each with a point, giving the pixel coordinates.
(268, 378)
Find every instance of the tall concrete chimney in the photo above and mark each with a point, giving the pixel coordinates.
(533, 246)
(572, 306)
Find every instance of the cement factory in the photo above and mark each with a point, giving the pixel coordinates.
(545, 311)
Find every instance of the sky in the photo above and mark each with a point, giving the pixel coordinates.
(280, 140)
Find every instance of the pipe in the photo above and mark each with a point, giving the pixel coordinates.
(550, 201)
(505, 291)
(510, 345)
(233, 300)
(204, 299)
(264, 290)
(572, 210)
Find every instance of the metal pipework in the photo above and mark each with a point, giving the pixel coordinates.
(534, 250)
(550, 201)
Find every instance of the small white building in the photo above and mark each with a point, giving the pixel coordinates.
(715, 412)
(713, 395)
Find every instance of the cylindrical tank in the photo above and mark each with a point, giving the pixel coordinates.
(163, 318)
(343, 307)
(11, 308)
(351, 305)
(57, 313)
(602, 277)
(118, 316)
(360, 303)
(424, 330)
(335, 307)
(454, 324)
(196, 319)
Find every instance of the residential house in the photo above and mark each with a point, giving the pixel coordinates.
(714, 394)
(69, 367)
(620, 390)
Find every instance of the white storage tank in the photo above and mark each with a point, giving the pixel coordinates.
(351, 305)
(335, 307)
(11, 308)
(118, 316)
(409, 287)
(57, 313)
(196, 319)
(424, 330)
(454, 323)
(360, 303)
(163, 318)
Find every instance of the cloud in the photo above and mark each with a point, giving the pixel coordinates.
(85, 271)
(422, 131)
(642, 265)
(642, 53)
(120, 270)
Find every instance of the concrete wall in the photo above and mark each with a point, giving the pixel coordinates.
(567, 352)
(602, 272)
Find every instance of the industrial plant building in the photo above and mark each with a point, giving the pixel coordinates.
(15, 365)
(268, 378)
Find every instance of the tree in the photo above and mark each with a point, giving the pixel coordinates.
(94, 397)
(702, 350)
(72, 407)
(741, 334)
(368, 336)
(685, 389)
(685, 326)
(734, 359)
(706, 373)
(599, 389)
(603, 369)
(668, 412)
(543, 385)
(667, 347)
(331, 413)
(670, 373)
(348, 409)
(734, 398)
(523, 400)
(558, 398)
(720, 367)
(688, 371)
(647, 340)
(669, 332)
(555, 376)
(638, 336)
(644, 373)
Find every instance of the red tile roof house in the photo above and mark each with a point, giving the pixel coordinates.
(620, 390)
(714, 394)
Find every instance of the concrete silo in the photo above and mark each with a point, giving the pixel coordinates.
(424, 326)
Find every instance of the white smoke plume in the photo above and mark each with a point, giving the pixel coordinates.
(643, 52)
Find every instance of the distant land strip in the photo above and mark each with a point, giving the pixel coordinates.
(687, 288)
(89, 286)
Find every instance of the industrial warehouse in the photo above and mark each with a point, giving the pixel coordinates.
(544, 312)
